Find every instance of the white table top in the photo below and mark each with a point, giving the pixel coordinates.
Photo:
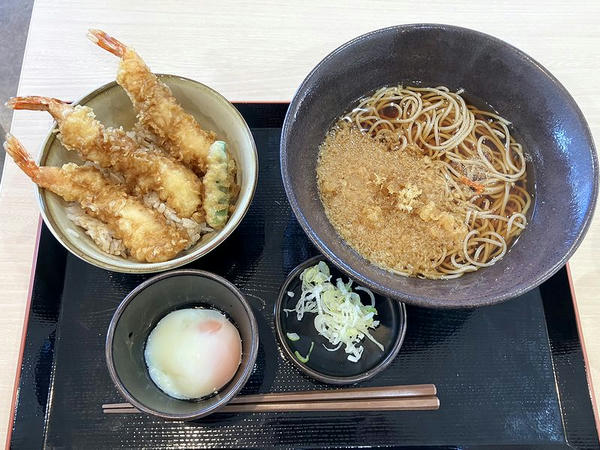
(261, 51)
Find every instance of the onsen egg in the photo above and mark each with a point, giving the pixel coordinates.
(193, 352)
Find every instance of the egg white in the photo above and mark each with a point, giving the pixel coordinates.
(193, 352)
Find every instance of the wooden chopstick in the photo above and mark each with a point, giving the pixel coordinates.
(131, 410)
(416, 390)
(414, 397)
(380, 404)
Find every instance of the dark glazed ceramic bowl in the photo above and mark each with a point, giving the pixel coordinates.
(139, 313)
(334, 367)
(562, 158)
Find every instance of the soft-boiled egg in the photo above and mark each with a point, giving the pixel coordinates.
(193, 352)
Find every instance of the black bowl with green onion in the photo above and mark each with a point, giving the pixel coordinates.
(307, 349)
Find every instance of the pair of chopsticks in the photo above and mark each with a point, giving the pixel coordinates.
(385, 398)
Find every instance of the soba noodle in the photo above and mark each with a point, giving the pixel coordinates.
(483, 167)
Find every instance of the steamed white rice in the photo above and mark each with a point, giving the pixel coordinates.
(97, 230)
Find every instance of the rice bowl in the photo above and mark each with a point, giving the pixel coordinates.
(113, 108)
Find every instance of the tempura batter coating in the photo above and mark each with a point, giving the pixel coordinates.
(177, 131)
(217, 185)
(145, 233)
(144, 171)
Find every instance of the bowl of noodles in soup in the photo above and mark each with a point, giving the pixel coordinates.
(439, 165)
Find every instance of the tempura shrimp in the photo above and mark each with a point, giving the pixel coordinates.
(143, 171)
(145, 233)
(177, 131)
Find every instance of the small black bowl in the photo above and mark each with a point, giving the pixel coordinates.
(557, 141)
(139, 313)
(334, 367)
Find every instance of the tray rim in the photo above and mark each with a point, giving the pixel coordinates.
(25, 326)
(586, 361)
(33, 267)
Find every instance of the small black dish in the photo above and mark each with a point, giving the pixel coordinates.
(334, 367)
(139, 313)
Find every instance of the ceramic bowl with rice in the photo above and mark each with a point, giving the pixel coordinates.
(92, 241)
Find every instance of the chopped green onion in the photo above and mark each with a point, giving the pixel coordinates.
(292, 336)
(341, 317)
(304, 359)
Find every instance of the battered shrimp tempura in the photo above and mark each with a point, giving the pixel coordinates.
(158, 111)
(144, 232)
(144, 171)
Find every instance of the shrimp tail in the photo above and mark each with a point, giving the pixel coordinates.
(109, 43)
(34, 103)
(18, 153)
(29, 103)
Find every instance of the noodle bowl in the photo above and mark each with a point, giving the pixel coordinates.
(442, 144)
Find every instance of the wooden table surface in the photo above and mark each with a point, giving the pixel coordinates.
(260, 51)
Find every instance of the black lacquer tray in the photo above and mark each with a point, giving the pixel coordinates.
(508, 376)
